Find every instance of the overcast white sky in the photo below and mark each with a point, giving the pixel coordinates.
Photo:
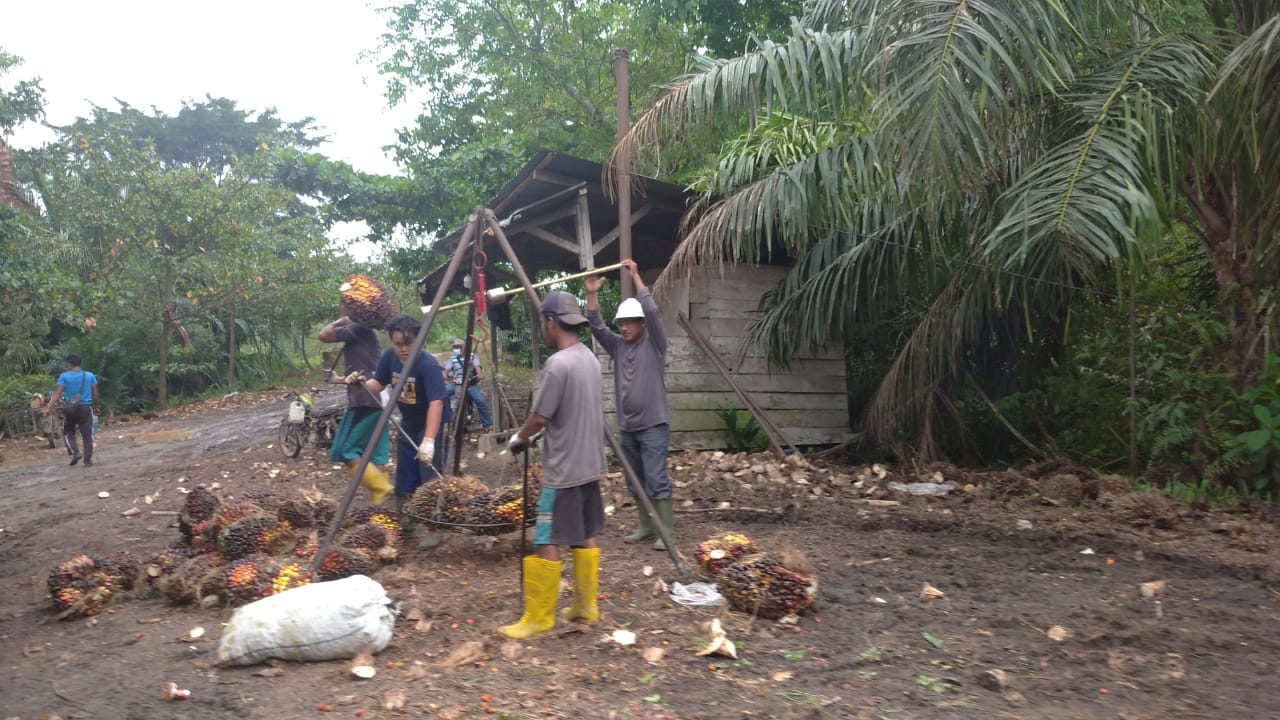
(301, 57)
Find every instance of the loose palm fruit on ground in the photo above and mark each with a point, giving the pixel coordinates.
(367, 302)
(717, 553)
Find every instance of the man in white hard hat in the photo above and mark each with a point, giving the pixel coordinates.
(639, 350)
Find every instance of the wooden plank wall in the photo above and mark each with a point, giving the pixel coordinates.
(808, 402)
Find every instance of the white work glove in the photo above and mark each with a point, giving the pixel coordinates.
(355, 378)
(517, 444)
(426, 451)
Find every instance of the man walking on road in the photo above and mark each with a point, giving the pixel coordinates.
(639, 350)
(81, 390)
(569, 411)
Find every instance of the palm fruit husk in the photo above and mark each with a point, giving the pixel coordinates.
(442, 503)
(717, 553)
(201, 505)
(165, 561)
(759, 584)
(497, 511)
(193, 579)
(343, 562)
(251, 535)
(367, 302)
(367, 537)
(385, 518)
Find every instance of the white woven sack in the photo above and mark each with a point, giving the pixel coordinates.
(320, 621)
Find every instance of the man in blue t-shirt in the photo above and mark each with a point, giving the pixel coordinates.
(81, 388)
(422, 405)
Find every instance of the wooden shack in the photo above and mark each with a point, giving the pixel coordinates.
(557, 217)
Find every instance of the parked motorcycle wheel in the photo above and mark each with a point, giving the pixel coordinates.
(290, 438)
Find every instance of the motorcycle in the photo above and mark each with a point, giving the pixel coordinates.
(306, 424)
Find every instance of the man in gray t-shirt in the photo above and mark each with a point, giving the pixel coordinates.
(639, 350)
(569, 410)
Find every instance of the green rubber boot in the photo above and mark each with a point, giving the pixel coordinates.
(642, 533)
(667, 518)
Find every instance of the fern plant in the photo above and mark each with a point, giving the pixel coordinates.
(745, 434)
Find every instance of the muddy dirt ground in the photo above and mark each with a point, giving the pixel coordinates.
(1070, 631)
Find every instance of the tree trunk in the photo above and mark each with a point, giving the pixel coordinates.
(162, 393)
(1231, 249)
(231, 348)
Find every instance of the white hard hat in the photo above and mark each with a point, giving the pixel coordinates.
(630, 308)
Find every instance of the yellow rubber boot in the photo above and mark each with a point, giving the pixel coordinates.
(541, 585)
(586, 583)
(377, 482)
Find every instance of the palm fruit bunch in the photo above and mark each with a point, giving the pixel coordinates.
(210, 530)
(264, 534)
(717, 553)
(306, 547)
(194, 578)
(268, 501)
(121, 569)
(367, 302)
(760, 585)
(78, 587)
(442, 502)
(201, 505)
(497, 511)
(384, 518)
(76, 570)
(312, 511)
(247, 579)
(287, 574)
(366, 537)
(343, 562)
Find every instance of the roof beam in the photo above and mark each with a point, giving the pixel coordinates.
(607, 239)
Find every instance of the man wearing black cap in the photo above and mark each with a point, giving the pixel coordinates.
(569, 410)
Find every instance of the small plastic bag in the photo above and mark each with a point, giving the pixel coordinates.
(698, 594)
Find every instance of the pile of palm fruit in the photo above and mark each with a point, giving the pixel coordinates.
(465, 504)
(367, 302)
(237, 550)
(756, 582)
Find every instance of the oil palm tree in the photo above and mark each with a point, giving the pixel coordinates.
(989, 160)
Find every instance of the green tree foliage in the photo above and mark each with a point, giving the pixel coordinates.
(195, 236)
(504, 79)
(995, 159)
(20, 102)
